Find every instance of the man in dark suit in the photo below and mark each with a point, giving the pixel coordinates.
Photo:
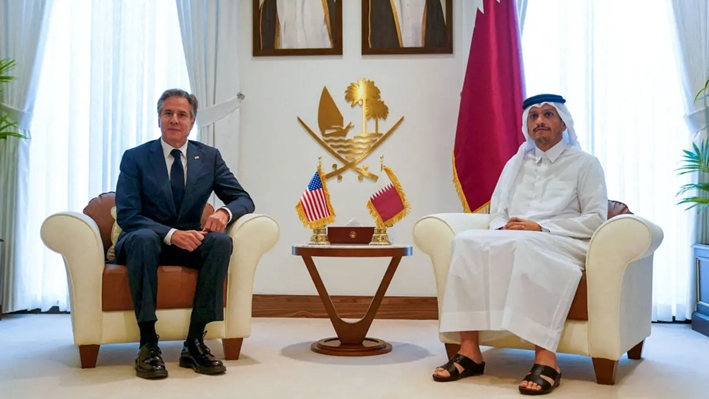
(161, 193)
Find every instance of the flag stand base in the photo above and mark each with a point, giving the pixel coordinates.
(319, 237)
(380, 237)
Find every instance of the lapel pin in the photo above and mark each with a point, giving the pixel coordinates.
(196, 157)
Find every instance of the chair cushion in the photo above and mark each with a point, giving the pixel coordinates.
(115, 233)
(176, 286)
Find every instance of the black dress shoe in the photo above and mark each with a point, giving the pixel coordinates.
(197, 356)
(149, 363)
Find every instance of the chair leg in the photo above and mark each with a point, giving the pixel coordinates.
(232, 348)
(452, 349)
(88, 355)
(636, 351)
(605, 370)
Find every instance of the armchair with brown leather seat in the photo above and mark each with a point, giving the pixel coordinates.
(611, 312)
(101, 304)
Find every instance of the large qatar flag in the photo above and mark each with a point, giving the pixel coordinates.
(490, 117)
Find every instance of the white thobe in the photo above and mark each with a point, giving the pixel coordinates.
(523, 282)
(303, 24)
(409, 15)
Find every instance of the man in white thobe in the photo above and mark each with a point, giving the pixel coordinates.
(296, 24)
(521, 275)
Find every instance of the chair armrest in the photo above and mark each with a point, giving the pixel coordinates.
(76, 238)
(253, 235)
(619, 278)
(433, 235)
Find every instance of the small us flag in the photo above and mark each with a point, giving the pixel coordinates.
(314, 208)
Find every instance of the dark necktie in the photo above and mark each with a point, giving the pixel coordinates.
(177, 179)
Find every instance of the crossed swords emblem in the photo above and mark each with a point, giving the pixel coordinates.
(362, 171)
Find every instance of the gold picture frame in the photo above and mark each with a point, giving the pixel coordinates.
(383, 33)
(270, 37)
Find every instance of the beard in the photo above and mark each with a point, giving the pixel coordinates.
(543, 141)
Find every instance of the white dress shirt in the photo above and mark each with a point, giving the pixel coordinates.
(166, 150)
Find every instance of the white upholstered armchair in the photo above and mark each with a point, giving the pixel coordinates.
(101, 305)
(611, 312)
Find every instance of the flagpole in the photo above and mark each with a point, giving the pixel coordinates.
(380, 236)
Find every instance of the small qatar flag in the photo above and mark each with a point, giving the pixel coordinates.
(389, 204)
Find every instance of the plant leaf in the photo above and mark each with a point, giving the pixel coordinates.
(3, 136)
(694, 186)
(5, 66)
(7, 127)
(702, 90)
(698, 202)
(696, 160)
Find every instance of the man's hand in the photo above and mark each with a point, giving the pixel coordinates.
(216, 221)
(521, 224)
(187, 239)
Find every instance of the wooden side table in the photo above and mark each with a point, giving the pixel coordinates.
(351, 338)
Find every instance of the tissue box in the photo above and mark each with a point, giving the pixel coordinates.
(349, 234)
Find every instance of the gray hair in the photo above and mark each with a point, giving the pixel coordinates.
(178, 93)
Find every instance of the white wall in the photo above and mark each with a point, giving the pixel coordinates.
(276, 157)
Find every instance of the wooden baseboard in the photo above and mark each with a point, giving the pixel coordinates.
(354, 307)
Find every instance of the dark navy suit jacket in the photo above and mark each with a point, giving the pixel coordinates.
(144, 197)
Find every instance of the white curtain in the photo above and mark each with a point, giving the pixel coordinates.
(692, 29)
(614, 63)
(22, 33)
(106, 64)
(210, 35)
(521, 13)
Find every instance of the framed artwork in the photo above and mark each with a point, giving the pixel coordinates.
(407, 26)
(297, 27)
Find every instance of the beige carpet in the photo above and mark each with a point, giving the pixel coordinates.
(39, 361)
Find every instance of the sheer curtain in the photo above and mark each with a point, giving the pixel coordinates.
(615, 64)
(106, 64)
(23, 29)
(692, 29)
(210, 35)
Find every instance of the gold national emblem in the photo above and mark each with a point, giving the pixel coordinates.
(333, 132)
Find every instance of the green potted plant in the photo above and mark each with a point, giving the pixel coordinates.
(697, 161)
(8, 127)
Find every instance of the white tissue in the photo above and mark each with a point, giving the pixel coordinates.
(353, 222)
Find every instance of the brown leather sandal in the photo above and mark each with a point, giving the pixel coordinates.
(470, 368)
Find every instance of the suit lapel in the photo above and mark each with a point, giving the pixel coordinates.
(157, 160)
(194, 170)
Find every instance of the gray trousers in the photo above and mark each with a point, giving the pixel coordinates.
(143, 251)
